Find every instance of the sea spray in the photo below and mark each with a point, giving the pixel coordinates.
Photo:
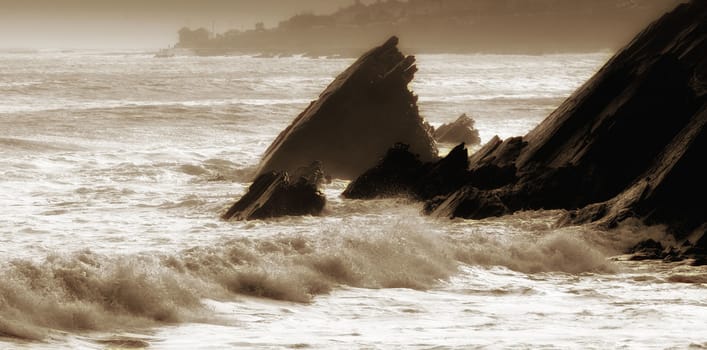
(86, 291)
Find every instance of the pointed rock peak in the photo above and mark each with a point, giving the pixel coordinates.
(364, 111)
(391, 42)
(461, 130)
(459, 149)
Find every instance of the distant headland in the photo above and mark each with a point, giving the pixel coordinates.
(442, 26)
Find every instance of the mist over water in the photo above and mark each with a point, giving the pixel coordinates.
(128, 24)
(116, 167)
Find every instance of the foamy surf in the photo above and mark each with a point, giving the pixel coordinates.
(86, 291)
(111, 237)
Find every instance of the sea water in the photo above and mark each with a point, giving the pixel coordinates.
(115, 167)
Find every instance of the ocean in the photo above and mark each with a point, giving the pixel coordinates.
(115, 167)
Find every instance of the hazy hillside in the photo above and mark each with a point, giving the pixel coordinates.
(451, 26)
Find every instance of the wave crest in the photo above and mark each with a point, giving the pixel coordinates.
(86, 291)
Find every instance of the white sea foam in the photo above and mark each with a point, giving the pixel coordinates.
(116, 166)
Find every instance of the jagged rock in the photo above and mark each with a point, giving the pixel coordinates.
(671, 191)
(493, 166)
(275, 194)
(647, 250)
(401, 172)
(395, 174)
(444, 176)
(312, 173)
(469, 202)
(460, 131)
(628, 143)
(356, 119)
(631, 142)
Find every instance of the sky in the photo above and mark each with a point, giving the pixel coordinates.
(136, 24)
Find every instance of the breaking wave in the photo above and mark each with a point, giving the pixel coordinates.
(87, 291)
(556, 252)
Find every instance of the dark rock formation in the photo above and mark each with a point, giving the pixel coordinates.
(469, 202)
(653, 250)
(672, 191)
(630, 139)
(275, 194)
(444, 176)
(493, 165)
(669, 189)
(401, 172)
(460, 131)
(629, 143)
(356, 119)
(396, 174)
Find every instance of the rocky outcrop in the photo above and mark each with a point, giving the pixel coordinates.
(629, 143)
(652, 250)
(468, 202)
(460, 131)
(275, 194)
(671, 192)
(366, 110)
(396, 174)
(444, 176)
(401, 173)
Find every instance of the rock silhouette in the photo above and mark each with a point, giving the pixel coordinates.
(366, 110)
(396, 174)
(630, 139)
(401, 173)
(628, 143)
(461, 130)
(276, 194)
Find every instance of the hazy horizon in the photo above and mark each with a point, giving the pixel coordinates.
(104, 24)
(153, 24)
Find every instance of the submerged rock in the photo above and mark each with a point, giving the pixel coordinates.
(460, 131)
(275, 194)
(366, 110)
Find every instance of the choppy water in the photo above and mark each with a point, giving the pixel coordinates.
(115, 166)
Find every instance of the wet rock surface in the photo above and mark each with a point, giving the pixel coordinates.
(276, 194)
